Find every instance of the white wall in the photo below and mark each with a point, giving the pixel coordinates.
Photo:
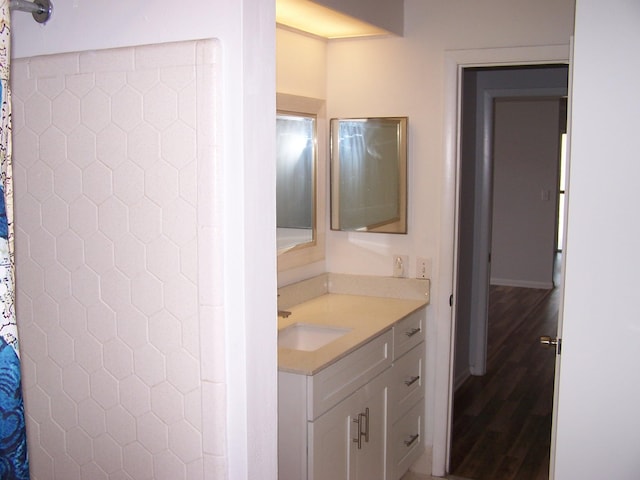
(301, 62)
(526, 152)
(246, 290)
(405, 76)
(598, 428)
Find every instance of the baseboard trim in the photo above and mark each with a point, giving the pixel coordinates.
(460, 379)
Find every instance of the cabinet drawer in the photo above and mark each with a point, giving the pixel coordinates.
(405, 445)
(329, 386)
(407, 381)
(408, 332)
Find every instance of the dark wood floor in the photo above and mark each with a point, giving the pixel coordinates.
(502, 420)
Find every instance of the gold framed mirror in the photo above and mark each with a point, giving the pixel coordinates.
(369, 174)
(300, 180)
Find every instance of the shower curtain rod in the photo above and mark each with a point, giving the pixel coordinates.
(40, 9)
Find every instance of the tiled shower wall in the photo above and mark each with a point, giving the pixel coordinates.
(113, 158)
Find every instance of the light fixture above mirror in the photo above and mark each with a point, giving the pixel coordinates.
(311, 17)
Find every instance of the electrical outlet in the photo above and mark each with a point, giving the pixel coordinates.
(423, 267)
(400, 265)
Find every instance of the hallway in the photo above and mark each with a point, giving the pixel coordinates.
(502, 421)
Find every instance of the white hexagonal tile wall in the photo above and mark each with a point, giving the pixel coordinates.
(101, 322)
(112, 218)
(69, 251)
(148, 363)
(83, 217)
(137, 460)
(63, 411)
(121, 425)
(75, 382)
(106, 188)
(153, 433)
(165, 331)
(95, 110)
(81, 146)
(132, 326)
(66, 111)
(55, 215)
(108, 453)
(91, 417)
(161, 183)
(37, 113)
(111, 146)
(128, 182)
(96, 182)
(146, 294)
(40, 181)
(53, 149)
(144, 145)
(114, 289)
(60, 347)
(67, 182)
(79, 445)
(135, 396)
(167, 402)
(118, 358)
(162, 109)
(98, 253)
(127, 108)
(104, 389)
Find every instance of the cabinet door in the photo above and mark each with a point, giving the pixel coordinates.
(370, 458)
(330, 441)
(349, 441)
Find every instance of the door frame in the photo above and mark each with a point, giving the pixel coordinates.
(455, 61)
(482, 247)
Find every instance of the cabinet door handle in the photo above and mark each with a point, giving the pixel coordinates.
(412, 332)
(410, 381)
(363, 427)
(366, 423)
(358, 439)
(410, 441)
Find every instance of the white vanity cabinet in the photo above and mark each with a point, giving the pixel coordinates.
(361, 417)
(406, 397)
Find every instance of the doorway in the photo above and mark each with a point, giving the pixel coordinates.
(507, 228)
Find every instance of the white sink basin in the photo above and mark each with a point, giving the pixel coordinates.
(306, 337)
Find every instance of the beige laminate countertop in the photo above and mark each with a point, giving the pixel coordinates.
(366, 316)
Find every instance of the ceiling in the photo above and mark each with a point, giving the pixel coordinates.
(310, 17)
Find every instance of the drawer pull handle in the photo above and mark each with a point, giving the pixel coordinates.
(411, 439)
(410, 381)
(412, 332)
(362, 421)
(366, 424)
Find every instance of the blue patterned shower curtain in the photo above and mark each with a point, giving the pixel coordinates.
(13, 439)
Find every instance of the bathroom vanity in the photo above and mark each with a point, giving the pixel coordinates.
(351, 387)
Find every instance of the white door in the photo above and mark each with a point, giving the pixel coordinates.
(598, 426)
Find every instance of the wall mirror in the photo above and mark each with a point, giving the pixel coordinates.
(369, 174)
(299, 180)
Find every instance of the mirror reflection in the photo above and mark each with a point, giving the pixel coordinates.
(295, 179)
(368, 174)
